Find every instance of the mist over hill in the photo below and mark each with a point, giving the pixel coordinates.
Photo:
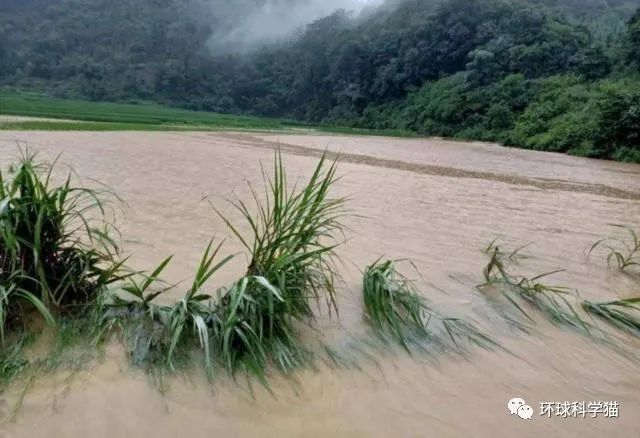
(247, 25)
(547, 74)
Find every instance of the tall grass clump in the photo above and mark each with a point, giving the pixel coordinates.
(554, 302)
(625, 253)
(394, 309)
(292, 235)
(251, 325)
(56, 253)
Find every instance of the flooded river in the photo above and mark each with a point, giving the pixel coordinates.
(437, 203)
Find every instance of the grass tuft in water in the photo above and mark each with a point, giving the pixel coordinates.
(250, 326)
(68, 348)
(394, 309)
(160, 336)
(625, 253)
(56, 250)
(292, 238)
(252, 330)
(12, 362)
(554, 302)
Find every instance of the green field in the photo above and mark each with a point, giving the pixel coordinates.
(118, 116)
(78, 115)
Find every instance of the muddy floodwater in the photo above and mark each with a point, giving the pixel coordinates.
(437, 203)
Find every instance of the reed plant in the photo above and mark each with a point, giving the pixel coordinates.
(293, 234)
(56, 249)
(292, 238)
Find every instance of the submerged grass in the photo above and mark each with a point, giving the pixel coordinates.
(625, 253)
(621, 314)
(68, 348)
(252, 331)
(54, 260)
(12, 362)
(57, 259)
(394, 309)
(562, 306)
(554, 302)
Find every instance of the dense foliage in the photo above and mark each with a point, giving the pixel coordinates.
(557, 75)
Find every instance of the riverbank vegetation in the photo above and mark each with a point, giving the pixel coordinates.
(41, 112)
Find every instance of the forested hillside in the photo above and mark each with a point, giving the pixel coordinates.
(559, 75)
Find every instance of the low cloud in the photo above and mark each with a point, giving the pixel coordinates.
(253, 24)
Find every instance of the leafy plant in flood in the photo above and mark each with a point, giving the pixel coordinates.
(250, 325)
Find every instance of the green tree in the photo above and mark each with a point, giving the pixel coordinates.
(633, 39)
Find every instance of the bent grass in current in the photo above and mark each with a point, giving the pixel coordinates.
(560, 305)
(621, 314)
(395, 309)
(554, 302)
(625, 253)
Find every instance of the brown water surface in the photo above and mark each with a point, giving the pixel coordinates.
(435, 202)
